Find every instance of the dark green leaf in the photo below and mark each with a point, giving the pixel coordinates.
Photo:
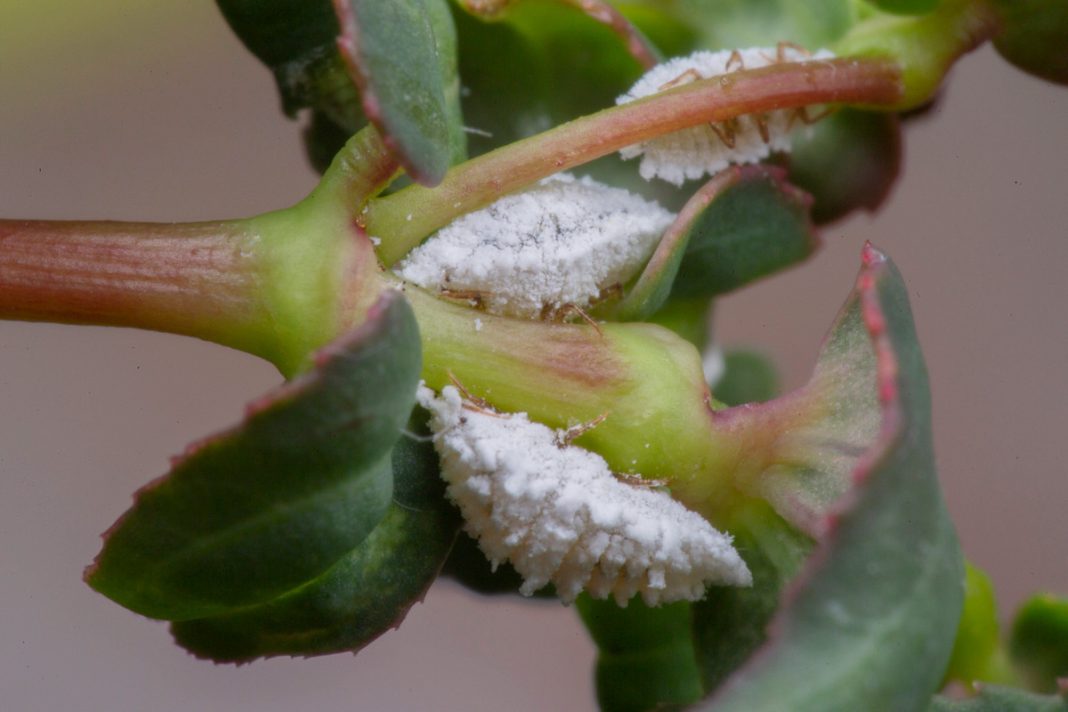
(847, 161)
(569, 63)
(1034, 37)
(364, 594)
(646, 655)
(296, 40)
(393, 55)
(731, 623)
(322, 140)
(470, 567)
(748, 377)
(1001, 699)
(755, 227)
(906, 7)
(870, 622)
(1039, 641)
(258, 510)
(734, 24)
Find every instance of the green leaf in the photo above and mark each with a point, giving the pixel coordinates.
(847, 161)
(755, 227)
(906, 7)
(260, 509)
(1001, 699)
(1034, 36)
(748, 377)
(393, 55)
(469, 566)
(1039, 641)
(296, 40)
(571, 63)
(743, 224)
(369, 591)
(869, 623)
(406, 65)
(731, 623)
(977, 652)
(734, 24)
(646, 656)
(323, 138)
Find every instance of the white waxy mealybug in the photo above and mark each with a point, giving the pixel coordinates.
(550, 250)
(559, 515)
(708, 149)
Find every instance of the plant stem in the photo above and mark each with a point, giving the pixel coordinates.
(404, 219)
(189, 279)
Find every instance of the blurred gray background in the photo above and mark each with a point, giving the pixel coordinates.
(152, 111)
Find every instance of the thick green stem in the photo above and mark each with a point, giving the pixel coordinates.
(645, 380)
(925, 46)
(277, 285)
(404, 219)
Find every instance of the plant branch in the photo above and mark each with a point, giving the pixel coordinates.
(404, 219)
(189, 279)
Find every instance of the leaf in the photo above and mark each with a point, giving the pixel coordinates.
(977, 653)
(392, 53)
(323, 138)
(744, 223)
(748, 377)
(646, 656)
(756, 226)
(673, 654)
(906, 7)
(410, 89)
(869, 623)
(1039, 640)
(847, 161)
(255, 511)
(731, 623)
(1034, 35)
(1001, 699)
(571, 63)
(364, 594)
(296, 39)
(734, 24)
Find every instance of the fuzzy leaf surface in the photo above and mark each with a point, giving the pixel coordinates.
(870, 621)
(369, 591)
(255, 511)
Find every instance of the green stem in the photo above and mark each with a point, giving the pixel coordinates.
(925, 46)
(404, 219)
(278, 285)
(644, 379)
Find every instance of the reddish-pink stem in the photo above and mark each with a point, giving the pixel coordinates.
(405, 218)
(190, 279)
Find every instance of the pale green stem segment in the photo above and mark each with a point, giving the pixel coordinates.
(278, 285)
(924, 45)
(404, 219)
(645, 381)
